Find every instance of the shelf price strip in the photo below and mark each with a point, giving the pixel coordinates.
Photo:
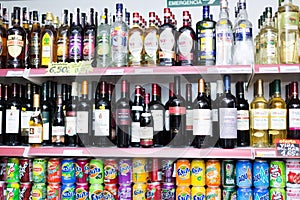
(287, 147)
(82, 67)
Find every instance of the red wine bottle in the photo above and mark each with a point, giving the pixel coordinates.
(146, 133)
(136, 111)
(168, 137)
(293, 113)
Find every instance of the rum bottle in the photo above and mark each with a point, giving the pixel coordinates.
(34, 45)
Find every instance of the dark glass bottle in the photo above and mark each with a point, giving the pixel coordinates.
(25, 24)
(27, 112)
(146, 124)
(76, 33)
(58, 124)
(64, 90)
(2, 114)
(34, 46)
(112, 100)
(288, 93)
(3, 39)
(89, 38)
(168, 137)
(5, 18)
(293, 113)
(54, 92)
(46, 111)
(189, 114)
(215, 113)
(63, 39)
(136, 111)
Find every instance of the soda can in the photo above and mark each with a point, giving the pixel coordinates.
(261, 173)
(96, 191)
(198, 173)
(213, 173)
(293, 173)
(167, 169)
(292, 193)
(96, 174)
(2, 190)
(183, 192)
(277, 173)
(53, 171)
(125, 192)
(82, 191)
(278, 194)
(139, 170)
(25, 191)
(228, 172)
(153, 191)
(213, 193)
(229, 193)
(68, 191)
(168, 191)
(39, 191)
(39, 170)
(183, 173)
(261, 193)
(110, 191)
(139, 191)
(82, 168)
(110, 171)
(53, 191)
(24, 170)
(198, 193)
(13, 191)
(12, 170)
(244, 173)
(3, 163)
(125, 171)
(68, 171)
(154, 170)
(244, 194)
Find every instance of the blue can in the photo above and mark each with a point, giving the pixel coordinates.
(244, 194)
(244, 173)
(68, 174)
(68, 192)
(261, 193)
(261, 174)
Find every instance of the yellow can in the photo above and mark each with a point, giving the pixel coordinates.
(139, 191)
(198, 193)
(183, 192)
(213, 193)
(198, 173)
(139, 170)
(183, 173)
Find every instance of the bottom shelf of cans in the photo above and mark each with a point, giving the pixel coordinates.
(140, 178)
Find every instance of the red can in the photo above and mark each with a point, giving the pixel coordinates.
(24, 170)
(153, 191)
(54, 170)
(53, 191)
(25, 191)
(110, 191)
(82, 191)
(82, 168)
(3, 163)
(155, 174)
(2, 190)
(110, 171)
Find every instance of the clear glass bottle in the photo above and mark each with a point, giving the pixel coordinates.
(151, 42)
(36, 123)
(256, 44)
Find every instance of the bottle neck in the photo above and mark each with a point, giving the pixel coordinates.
(224, 14)
(243, 12)
(156, 97)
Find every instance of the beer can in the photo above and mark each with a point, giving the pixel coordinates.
(167, 169)
(39, 169)
(244, 194)
(110, 191)
(213, 173)
(25, 191)
(198, 173)
(24, 170)
(198, 193)
(96, 175)
(96, 191)
(125, 171)
(261, 193)
(139, 191)
(3, 163)
(53, 191)
(278, 194)
(68, 171)
(125, 192)
(168, 191)
(183, 192)
(82, 170)
(12, 170)
(68, 191)
(292, 193)
(277, 174)
(39, 191)
(244, 173)
(183, 173)
(2, 190)
(293, 173)
(229, 193)
(153, 191)
(228, 173)
(154, 170)
(82, 191)
(213, 193)
(261, 173)
(139, 170)
(13, 191)
(110, 171)
(53, 171)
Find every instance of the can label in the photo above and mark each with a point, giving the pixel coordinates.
(39, 171)
(293, 173)
(167, 171)
(96, 191)
(12, 191)
(24, 170)
(96, 174)
(125, 172)
(244, 174)
(198, 193)
(168, 191)
(198, 173)
(25, 191)
(213, 173)
(183, 193)
(110, 191)
(244, 194)
(261, 175)
(53, 191)
(3, 163)
(68, 171)
(153, 191)
(277, 174)
(39, 191)
(261, 193)
(139, 170)
(213, 193)
(12, 170)
(228, 173)
(139, 191)
(183, 173)
(68, 192)
(292, 193)
(229, 193)
(54, 171)
(82, 171)
(277, 194)
(110, 173)
(125, 192)
(81, 194)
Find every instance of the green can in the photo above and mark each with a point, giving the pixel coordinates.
(229, 193)
(278, 193)
(95, 191)
(277, 174)
(39, 191)
(12, 191)
(228, 173)
(12, 170)
(96, 174)
(39, 168)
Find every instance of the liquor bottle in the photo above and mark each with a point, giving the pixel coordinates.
(277, 115)
(224, 36)
(243, 38)
(151, 42)
(3, 39)
(89, 37)
(177, 111)
(71, 22)
(25, 25)
(257, 45)
(136, 111)
(16, 41)
(26, 113)
(2, 114)
(288, 23)
(206, 39)
(189, 114)
(215, 113)
(63, 39)
(146, 124)
(293, 107)
(5, 13)
(168, 137)
(58, 124)
(167, 43)
(119, 39)
(43, 21)
(75, 39)
(46, 111)
(186, 42)
(227, 116)
(48, 38)
(259, 117)
(123, 119)
(83, 20)
(13, 118)
(202, 119)
(242, 105)
(56, 23)
(34, 45)
(36, 123)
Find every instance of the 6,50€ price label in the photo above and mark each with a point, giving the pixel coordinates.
(81, 67)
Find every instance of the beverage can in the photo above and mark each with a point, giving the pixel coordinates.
(213, 193)
(229, 193)
(82, 170)
(167, 169)
(213, 173)
(39, 191)
(3, 163)
(292, 193)
(139, 170)
(96, 191)
(261, 193)
(244, 173)
(277, 173)
(198, 173)
(110, 171)
(82, 191)
(154, 170)
(228, 173)
(12, 191)
(24, 170)
(39, 170)
(293, 173)
(278, 194)
(183, 173)
(68, 171)
(12, 170)
(53, 191)
(183, 192)
(153, 191)
(244, 194)
(261, 173)
(25, 191)
(198, 192)
(2, 190)
(139, 191)
(168, 191)
(125, 192)
(68, 191)
(53, 171)
(110, 191)
(125, 171)
(96, 175)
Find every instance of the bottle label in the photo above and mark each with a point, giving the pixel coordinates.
(83, 122)
(202, 122)
(15, 45)
(71, 123)
(242, 33)
(58, 134)
(102, 124)
(167, 120)
(178, 110)
(46, 125)
(167, 43)
(151, 44)
(119, 40)
(278, 119)
(34, 50)
(207, 39)
(289, 20)
(46, 49)
(25, 119)
(224, 42)
(294, 119)
(135, 131)
(158, 120)
(189, 120)
(1, 45)
(12, 120)
(215, 115)
(259, 119)
(89, 47)
(268, 42)
(75, 47)
(135, 44)
(228, 123)
(103, 45)
(146, 133)
(185, 46)
(243, 120)
(35, 134)
(62, 48)
(123, 117)
(137, 108)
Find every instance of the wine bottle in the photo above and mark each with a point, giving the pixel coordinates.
(2, 114)
(146, 124)
(75, 38)
(27, 112)
(58, 124)
(189, 114)
(63, 39)
(136, 111)
(112, 100)
(46, 111)
(293, 112)
(215, 112)
(90, 32)
(168, 137)
(36, 123)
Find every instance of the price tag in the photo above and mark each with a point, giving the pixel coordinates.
(268, 70)
(82, 67)
(289, 68)
(15, 73)
(287, 147)
(72, 152)
(143, 71)
(241, 70)
(115, 72)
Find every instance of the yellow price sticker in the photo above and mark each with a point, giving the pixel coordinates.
(82, 67)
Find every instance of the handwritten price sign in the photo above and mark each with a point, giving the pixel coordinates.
(287, 148)
(82, 67)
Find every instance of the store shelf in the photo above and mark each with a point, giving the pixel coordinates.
(11, 72)
(275, 69)
(13, 151)
(269, 153)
